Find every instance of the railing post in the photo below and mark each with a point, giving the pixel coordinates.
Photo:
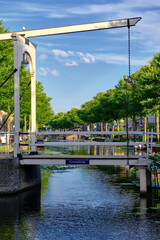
(151, 139)
(157, 119)
(145, 128)
(148, 142)
(28, 143)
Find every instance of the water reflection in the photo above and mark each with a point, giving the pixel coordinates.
(92, 150)
(19, 213)
(86, 203)
(82, 203)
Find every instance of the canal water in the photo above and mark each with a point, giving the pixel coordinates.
(82, 202)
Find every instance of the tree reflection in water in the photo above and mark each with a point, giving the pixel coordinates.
(15, 214)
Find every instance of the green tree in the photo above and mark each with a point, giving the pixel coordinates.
(148, 79)
(44, 108)
(108, 105)
(90, 111)
(56, 122)
(70, 119)
(6, 68)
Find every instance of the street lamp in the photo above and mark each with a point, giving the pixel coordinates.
(25, 59)
(129, 80)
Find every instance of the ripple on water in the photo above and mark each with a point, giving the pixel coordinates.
(79, 204)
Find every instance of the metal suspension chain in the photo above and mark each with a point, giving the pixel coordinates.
(129, 49)
(25, 90)
(129, 73)
(15, 70)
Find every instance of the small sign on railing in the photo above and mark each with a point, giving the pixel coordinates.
(77, 161)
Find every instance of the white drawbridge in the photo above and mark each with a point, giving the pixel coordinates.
(26, 49)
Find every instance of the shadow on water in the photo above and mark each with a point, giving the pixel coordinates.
(15, 210)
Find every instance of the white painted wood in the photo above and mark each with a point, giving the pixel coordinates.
(17, 64)
(21, 45)
(33, 102)
(89, 133)
(79, 157)
(67, 143)
(74, 28)
(92, 161)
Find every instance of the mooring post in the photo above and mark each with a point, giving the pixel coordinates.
(145, 179)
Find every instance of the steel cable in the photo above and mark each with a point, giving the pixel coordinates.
(13, 107)
(15, 70)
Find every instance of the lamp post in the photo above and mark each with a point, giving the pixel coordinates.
(25, 60)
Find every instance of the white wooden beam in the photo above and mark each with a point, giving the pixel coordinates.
(73, 28)
(87, 133)
(87, 143)
(20, 47)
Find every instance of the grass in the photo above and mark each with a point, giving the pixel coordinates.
(5, 148)
(52, 167)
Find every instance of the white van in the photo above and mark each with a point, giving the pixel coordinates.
(3, 139)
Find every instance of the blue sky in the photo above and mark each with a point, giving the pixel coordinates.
(75, 67)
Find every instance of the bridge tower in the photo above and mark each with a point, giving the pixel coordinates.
(25, 49)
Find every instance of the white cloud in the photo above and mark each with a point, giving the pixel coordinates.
(71, 55)
(85, 60)
(80, 54)
(54, 73)
(114, 8)
(57, 11)
(43, 57)
(44, 72)
(59, 53)
(120, 59)
(91, 57)
(72, 64)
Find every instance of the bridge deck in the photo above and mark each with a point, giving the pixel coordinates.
(86, 143)
(82, 160)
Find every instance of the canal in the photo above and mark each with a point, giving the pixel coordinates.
(82, 202)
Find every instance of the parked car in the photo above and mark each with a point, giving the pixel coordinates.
(40, 141)
(12, 138)
(3, 139)
(46, 138)
(140, 146)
